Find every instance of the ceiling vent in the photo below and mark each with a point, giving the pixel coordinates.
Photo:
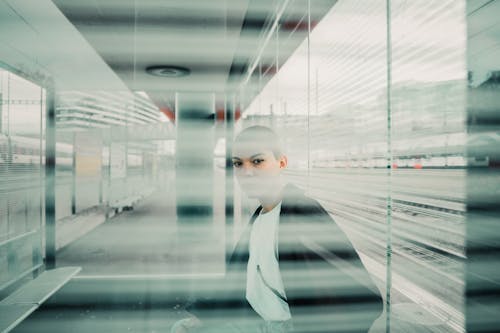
(168, 71)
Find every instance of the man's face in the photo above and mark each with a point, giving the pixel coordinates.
(257, 169)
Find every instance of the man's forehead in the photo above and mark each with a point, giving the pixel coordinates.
(247, 149)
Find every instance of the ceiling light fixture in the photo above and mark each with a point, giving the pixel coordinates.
(168, 71)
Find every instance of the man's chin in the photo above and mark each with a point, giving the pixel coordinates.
(252, 193)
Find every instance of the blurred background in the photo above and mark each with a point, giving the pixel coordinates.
(116, 125)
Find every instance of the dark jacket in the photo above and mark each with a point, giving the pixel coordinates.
(327, 287)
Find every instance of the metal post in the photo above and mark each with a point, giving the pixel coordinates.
(73, 178)
(1, 114)
(229, 184)
(50, 163)
(101, 182)
(194, 157)
(389, 172)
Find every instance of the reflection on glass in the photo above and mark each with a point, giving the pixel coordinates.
(483, 177)
(428, 145)
(351, 215)
(21, 177)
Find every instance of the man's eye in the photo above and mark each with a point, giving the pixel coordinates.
(257, 161)
(237, 164)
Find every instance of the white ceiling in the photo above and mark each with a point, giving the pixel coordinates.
(42, 44)
(107, 44)
(132, 35)
(217, 40)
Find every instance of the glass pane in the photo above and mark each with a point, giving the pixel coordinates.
(109, 149)
(483, 176)
(348, 130)
(428, 165)
(244, 163)
(21, 177)
(320, 109)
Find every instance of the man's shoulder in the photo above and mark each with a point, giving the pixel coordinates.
(295, 201)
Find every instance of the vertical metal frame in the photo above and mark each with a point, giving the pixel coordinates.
(50, 179)
(42, 80)
(229, 120)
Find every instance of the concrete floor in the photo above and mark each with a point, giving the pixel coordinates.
(84, 320)
(147, 241)
(138, 270)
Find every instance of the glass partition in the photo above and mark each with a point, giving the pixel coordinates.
(483, 176)
(371, 107)
(428, 135)
(386, 112)
(22, 158)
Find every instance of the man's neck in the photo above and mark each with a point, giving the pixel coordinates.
(269, 202)
(269, 207)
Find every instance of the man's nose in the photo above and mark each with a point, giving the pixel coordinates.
(247, 170)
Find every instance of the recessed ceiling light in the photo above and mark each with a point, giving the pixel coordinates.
(168, 71)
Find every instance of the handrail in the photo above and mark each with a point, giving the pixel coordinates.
(19, 237)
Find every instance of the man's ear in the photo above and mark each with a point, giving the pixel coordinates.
(283, 162)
